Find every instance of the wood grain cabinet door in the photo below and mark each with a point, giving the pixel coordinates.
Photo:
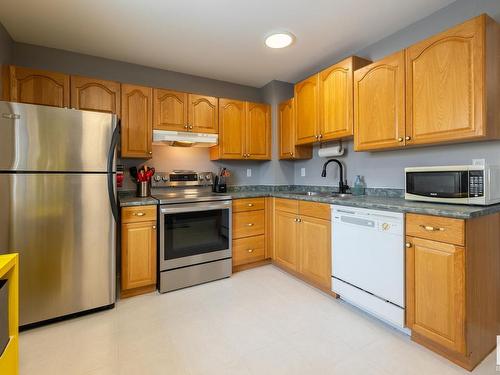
(286, 130)
(136, 130)
(306, 110)
(170, 110)
(91, 94)
(138, 254)
(435, 282)
(445, 85)
(35, 86)
(379, 121)
(203, 114)
(315, 250)
(258, 131)
(285, 239)
(232, 121)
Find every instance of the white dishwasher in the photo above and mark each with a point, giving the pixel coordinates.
(368, 261)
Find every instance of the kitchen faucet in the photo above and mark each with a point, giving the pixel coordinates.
(342, 185)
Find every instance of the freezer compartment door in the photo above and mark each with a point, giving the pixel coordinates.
(63, 229)
(42, 138)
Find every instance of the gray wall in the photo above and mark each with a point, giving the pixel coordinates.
(385, 169)
(6, 44)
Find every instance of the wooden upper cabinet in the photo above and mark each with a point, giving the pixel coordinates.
(137, 123)
(306, 110)
(258, 131)
(170, 110)
(232, 120)
(35, 86)
(379, 120)
(447, 83)
(336, 98)
(93, 94)
(203, 114)
(435, 273)
(286, 123)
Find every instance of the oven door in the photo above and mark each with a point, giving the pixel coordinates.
(194, 233)
(438, 184)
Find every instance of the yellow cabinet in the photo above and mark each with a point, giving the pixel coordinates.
(448, 77)
(436, 277)
(138, 270)
(136, 121)
(170, 110)
(244, 131)
(379, 120)
(9, 270)
(285, 239)
(336, 99)
(307, 110)
(91, 94)
(286, 123)
(203, 114)
(34, 86)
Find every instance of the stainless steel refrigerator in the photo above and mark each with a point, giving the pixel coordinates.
(58, 207)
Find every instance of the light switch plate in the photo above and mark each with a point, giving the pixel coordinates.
(302, 172)
(249, 172)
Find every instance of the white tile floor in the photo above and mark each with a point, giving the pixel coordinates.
(260, 321)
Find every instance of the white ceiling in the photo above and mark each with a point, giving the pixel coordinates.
(221, 39)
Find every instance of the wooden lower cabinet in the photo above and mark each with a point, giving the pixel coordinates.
(452, 291)
(138, 263)
(302, 243)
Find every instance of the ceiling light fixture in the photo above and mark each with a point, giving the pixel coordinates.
(279, 40)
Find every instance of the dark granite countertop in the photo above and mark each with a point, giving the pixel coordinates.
(387, 203)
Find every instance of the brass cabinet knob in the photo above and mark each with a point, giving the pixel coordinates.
(250, 204)
(190, 126)
(400, 139)
(250, 225)
(407, 137)
(408, 245)
(150, 152)
(320, 136)
(138, 214)
(154, 226)
(250, 250)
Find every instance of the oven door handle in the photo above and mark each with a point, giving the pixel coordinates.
(195, 207)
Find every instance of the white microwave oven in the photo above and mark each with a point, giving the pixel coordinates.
(458, 184)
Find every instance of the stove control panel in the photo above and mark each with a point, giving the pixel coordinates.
(182, 178)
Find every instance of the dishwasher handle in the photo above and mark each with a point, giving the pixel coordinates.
(358, 221)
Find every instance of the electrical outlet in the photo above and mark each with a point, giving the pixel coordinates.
(249, 172)
(302, 172)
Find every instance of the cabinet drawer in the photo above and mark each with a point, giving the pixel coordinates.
(248, 204)
(287, 205)
(138, 213)
(249, 223)
(442, 229)
(248, 250)
(313, 209)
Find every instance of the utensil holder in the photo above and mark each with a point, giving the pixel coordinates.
(143, 189)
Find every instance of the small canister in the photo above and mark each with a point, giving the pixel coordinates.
(143, 189)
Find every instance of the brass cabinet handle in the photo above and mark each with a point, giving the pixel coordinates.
(407, 137)
(431, 229)
(138, 214)
(250, 204)
(250, 225)
(408, 245)
(250, 250)
(400, 139)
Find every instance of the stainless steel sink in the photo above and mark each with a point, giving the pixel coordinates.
(338, 195)
(308, 193)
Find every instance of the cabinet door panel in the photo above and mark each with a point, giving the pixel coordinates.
(285, 239)
(136, 131)
(258, 131)
(170, 110)
(231, 129)
(138, 254)
(34, 86)
(203, 114)
(306, 110)
(444, 77)
(379, 104)
(315, 250)
(435, 273)
(286, 130)
(93, 94)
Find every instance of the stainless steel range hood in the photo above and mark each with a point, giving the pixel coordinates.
(184, 139)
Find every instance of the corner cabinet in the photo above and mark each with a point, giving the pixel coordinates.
(136, 121)
(286, 124)
(91, 94)
(138, 254)
(34, 86)
(452, 285)
(379, 120)
(244, 131)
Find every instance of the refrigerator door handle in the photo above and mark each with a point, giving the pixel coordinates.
(111, 157)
